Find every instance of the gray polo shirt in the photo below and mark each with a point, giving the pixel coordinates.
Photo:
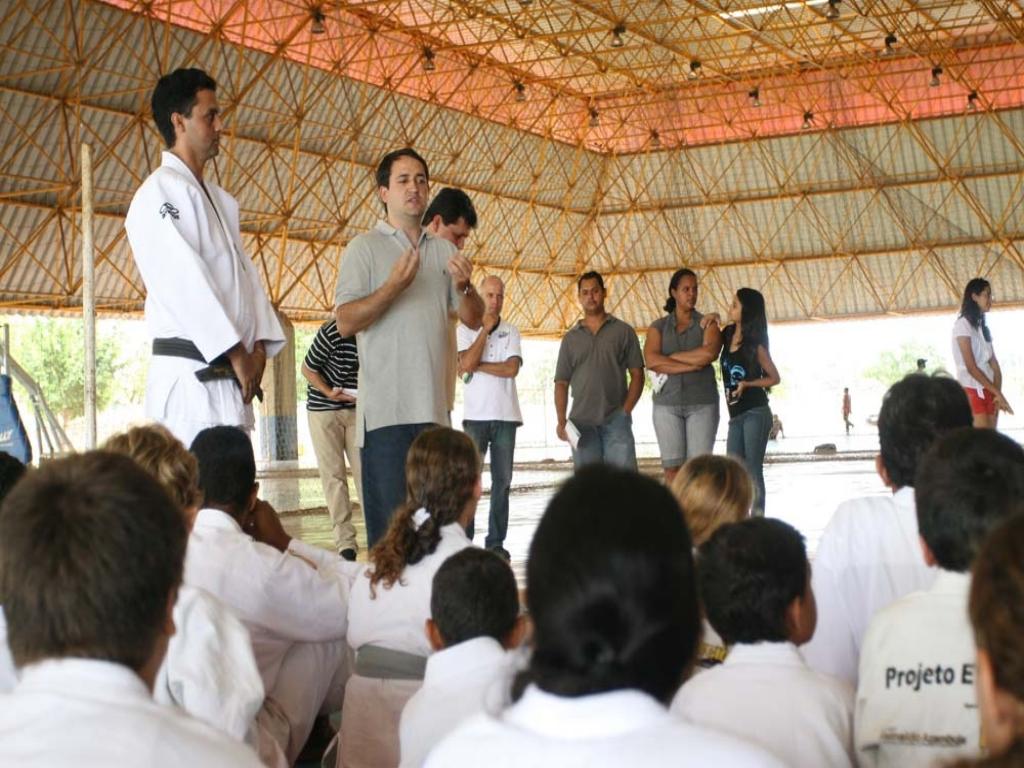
(595, 366)
(696, 387)
(402, 356)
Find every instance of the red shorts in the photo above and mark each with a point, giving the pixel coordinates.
(981, 405)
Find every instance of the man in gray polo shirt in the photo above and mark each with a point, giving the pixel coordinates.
(396, 284)
(593, 359)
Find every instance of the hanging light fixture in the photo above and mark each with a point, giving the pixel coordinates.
(936, 74)
(594, 118)
(317, 27)
(890, 42)
(694, 72)
(617, 33)
(655, 139)
(972, 101)
(520, 89)
(428, 60)
(755, 97)
(808, 121)
(833, 10)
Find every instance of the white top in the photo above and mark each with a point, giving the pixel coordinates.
(8, 672)
(396, 617)
(616, 729)
(209, 670)
(200, 286)
(767, 694)
(459, 682)
(95, 714)
(981, 349)
(280, 598)
(869, 556)
(916, 704)
(488, 397)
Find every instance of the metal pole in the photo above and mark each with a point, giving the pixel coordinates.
(88, 298)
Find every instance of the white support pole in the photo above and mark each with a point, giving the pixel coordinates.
(89, 298)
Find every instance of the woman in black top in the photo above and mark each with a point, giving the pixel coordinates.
(747, 373)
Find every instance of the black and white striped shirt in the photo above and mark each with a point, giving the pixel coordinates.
(336, 359)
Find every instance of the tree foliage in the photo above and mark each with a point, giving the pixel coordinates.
(52, 351)
(893, 364)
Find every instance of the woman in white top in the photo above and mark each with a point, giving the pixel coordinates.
(610, 587)
(977, 369)
(390, 602)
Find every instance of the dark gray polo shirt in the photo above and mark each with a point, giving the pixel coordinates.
(696, 387)
(595, 366)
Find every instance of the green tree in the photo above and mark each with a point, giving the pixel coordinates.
(52, 351)
(894, 364)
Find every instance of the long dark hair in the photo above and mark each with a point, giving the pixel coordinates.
(679, 274)
(441, 472)
(614, 605)
(753, 321)
(969, 307)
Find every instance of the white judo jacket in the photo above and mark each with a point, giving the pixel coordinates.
(200, 286)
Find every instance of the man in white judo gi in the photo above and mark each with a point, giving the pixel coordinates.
(213, 327)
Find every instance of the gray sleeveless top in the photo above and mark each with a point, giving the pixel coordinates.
(697, 388)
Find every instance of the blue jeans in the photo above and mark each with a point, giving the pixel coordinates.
(500, 436)
(747, 440)
(383, 459)
(610, 443)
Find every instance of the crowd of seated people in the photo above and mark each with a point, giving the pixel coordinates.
(153, 611)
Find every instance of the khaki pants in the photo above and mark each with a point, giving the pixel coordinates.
(334, 436)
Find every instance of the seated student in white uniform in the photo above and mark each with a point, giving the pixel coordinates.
(712, 491)
(997, 594)
(614, 607)
(209, 670)
(91, 552)
(11, 471)
(474, 627)
(916, 702)
(390, 602)
(869, 555)
(292, 597)
(755, 585)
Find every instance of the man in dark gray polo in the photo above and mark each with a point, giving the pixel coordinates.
(593, 360)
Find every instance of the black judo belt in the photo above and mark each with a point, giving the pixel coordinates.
(217, 369)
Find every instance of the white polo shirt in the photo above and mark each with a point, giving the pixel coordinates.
(489, 397)
(981, 349)
(916, 702)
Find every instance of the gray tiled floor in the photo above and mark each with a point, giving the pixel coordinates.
(803, 493)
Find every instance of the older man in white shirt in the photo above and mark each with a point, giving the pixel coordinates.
(213, 327)
(291, 596)
(869, 555)
(91, 552)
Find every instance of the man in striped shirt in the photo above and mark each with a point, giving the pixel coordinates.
(332, 369)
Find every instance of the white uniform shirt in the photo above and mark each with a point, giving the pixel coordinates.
(981, 349)
(8, 672)
(616, 729)
(395, 618)
(95, 714)
(767, 694)
(869, 556)
(280, 598)
(488, 397)
(209, 670)
(200, 286)
(916, 703)
(461, 681)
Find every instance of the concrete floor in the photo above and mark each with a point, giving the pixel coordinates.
(802, 491)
